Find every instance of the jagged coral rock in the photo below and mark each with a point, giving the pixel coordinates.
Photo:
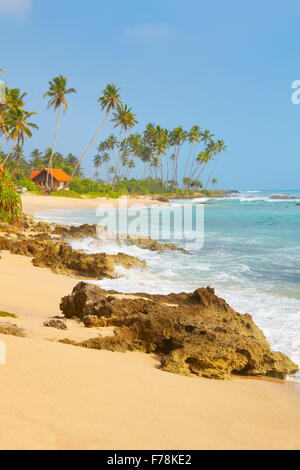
(62, 259)
(197, 333)
(94, 231)
(54, 323)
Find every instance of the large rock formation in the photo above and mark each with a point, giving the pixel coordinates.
(98, 232)
(196, 333)
(62, 259)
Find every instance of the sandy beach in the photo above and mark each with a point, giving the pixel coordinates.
(57, 396)
(33, 204)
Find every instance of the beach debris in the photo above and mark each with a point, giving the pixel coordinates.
(195, 334)
(58, 324)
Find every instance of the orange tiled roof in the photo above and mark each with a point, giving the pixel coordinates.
(59, 175)
(34, 174)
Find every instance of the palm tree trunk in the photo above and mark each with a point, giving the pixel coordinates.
(3, 143)
(10, 152)
(203, 169)
(119, 155)
(212, 172)
(90, 144)
(53, 147)
(188, 160)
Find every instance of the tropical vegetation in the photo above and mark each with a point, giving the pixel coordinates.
(126, 160)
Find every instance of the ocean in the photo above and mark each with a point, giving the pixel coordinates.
(250, 254)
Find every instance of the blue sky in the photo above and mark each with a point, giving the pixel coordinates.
(225, 65)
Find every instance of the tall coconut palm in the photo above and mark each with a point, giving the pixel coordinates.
(14, 101)
(193, 136)
(19, 128)
(57, 94)
(36, 158)
(218, 148)
(156, 162)
(202, 160)
(125, 119)
(109, 101)
(161, 145)
(106, 160)
(15, 98)
(97, 162)
(177, 137)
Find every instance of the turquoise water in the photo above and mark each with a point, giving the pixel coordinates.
(251, 256)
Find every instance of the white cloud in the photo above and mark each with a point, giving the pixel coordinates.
(150, 31)
(14, 7)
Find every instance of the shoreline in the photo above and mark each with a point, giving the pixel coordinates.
(76, 402)
(33, 203)
(77, 398)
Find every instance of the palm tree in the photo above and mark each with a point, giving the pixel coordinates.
(97, 162)
(106, 159)
(19, 128)
(125, 119)
(72, 160)
(194, 137)
(14, 101)
(218, 148)
(201, 161)
(156, 164)
(161, 145)
(214, 181)
(109, 101)
(177, 137)
(36, 158)
(57, 99)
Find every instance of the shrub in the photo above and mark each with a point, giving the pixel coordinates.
(29, 185)
(7, 315)
(71, 194)
(10, 201)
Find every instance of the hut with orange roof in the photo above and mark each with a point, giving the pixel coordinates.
(59, 177)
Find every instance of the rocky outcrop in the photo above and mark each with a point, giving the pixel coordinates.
(148, 244)
(44, 231)
(62, 259)
(195, 334)
(11, 329)
(94, 231)
(283, 196)
(58, 324)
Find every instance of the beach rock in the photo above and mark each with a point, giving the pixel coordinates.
(11, 329)
(282, 196)
(93, 231)
(62, 259)
(195, 334)
(4, 227)
(161, 199)
(153, 245)
(83, 231)
(91, 321)
(58, 324)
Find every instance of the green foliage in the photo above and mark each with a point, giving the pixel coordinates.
(10, 201)
(29, 185)
(85, 185)
(7, 315)
(71, 194)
